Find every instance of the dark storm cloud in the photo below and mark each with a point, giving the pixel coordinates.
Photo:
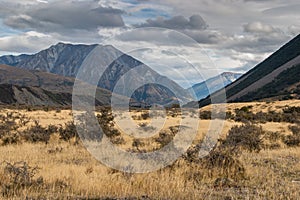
(65, 16)
(195, 22)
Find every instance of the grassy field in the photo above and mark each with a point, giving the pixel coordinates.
(257, 157)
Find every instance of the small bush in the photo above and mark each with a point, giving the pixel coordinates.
(18, 176)
(68, 132)
(295, 130)
(248, 137)
(294, 139)
(106, 121)
(36, 133)
(205, 115)
(11, 138)
(145, 116)
(222, 162)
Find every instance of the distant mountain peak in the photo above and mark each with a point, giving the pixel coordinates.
(213, 84)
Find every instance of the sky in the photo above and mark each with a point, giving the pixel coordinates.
(234, 34)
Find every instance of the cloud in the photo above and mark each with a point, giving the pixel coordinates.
(294, 30)
(258, 27)
(206, 36)
(288, 10)
(29, 42)
(195, 22)
(194, 27)
(64, 16)
(256, 43)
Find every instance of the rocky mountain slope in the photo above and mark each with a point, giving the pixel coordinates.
(22, 95)
(215, 83)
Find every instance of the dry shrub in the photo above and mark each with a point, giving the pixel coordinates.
(145, 115)
(223, 163)
(166, 136)
(272, 140)
(68, 132)
(36, 133)
(10, 138)
(18, 176)
(106, 121)
(246, 137)
(294, 139)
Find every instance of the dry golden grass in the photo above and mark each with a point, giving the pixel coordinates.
(70, 172)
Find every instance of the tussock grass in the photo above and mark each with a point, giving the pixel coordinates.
(251, 161)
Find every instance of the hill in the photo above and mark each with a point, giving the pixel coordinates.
(25, 87)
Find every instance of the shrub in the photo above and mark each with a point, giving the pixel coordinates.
(295, 130)
(294, 139)
(222, 162)
(106, 121)
(18, 176)
(164, 138)
(206, 115)
(248, 137)
(36, 133)
(145, 116)
(10, 138)
(68, 132)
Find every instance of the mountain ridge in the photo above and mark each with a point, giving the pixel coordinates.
(214, 84)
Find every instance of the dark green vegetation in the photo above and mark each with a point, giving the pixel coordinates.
(284, 87)
(245, 115)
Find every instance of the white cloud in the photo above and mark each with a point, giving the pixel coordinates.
(29, 42)
(258, 27)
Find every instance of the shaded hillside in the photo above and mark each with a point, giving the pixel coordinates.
(283, 87)
(21, 77)
(22, 86)
(13, 94)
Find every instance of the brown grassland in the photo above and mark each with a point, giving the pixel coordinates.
(257, 157)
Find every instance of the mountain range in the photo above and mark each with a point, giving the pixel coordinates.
(47, 78)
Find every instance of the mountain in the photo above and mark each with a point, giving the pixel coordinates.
(215, 83)
(66, 60)
(276, 78)
(62, 59)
